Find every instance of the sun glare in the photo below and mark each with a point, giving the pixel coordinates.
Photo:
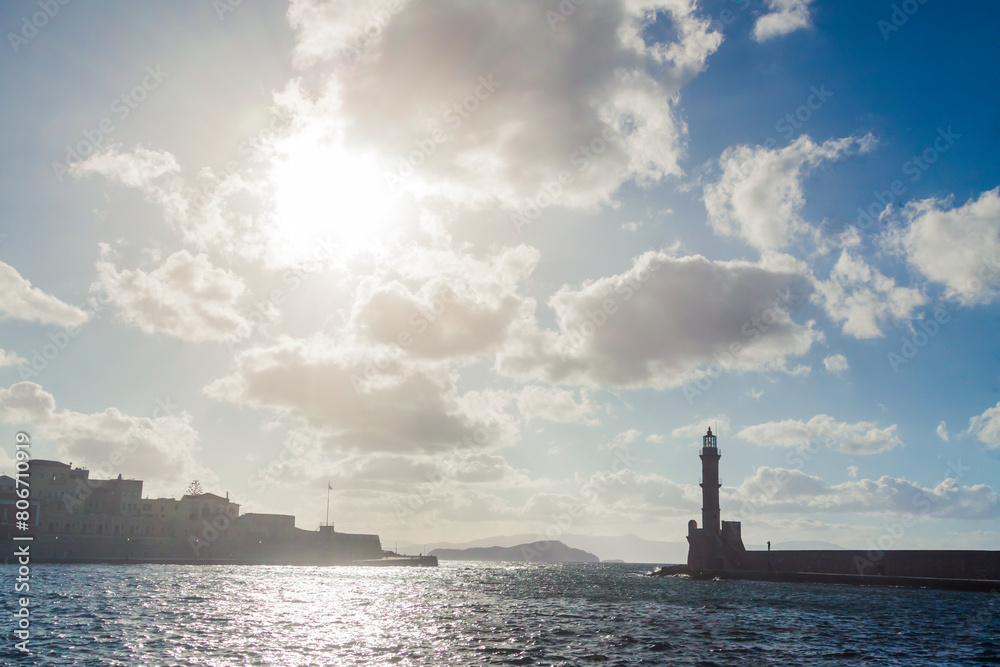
(323, 191)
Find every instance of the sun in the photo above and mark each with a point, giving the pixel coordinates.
(325, 192)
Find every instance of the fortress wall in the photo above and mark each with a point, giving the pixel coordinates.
(901, 563)
(294, 546)
(92, 547)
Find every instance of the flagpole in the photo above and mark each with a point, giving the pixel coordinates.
(328, 503)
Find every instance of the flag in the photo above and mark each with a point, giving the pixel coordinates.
(329, 487)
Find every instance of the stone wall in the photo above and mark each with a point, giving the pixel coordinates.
(901, 563)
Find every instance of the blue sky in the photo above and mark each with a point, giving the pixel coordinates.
(483, 265)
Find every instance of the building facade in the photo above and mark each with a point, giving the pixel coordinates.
(79, 519)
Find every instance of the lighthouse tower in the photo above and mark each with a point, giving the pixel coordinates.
(710, 517)
(717, 544)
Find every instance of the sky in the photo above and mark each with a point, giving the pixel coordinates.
(492, 268)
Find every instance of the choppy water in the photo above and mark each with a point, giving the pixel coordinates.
(484, 614)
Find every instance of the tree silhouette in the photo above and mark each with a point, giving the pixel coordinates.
(194, 488)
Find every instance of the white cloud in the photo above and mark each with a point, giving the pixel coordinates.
(759, 195)
(852, 472)
(18, 299)
(836, 364)
(720, 424)
(186, 297)
(441, 303)
(365, 399)
(201, 212)
(139, 169)
(957, 247)
(394, 472)
(785, 16)
(663, 321)
(161, 450)
(557, 404)
(630, 495)
(785, 490)
(622, 440)
(531, 122)
(863, 299)
(986, 427)
(942, 431)
(861, 438)
(11, 359)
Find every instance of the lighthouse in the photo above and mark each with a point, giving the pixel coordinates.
(710, 517)
(717, 544)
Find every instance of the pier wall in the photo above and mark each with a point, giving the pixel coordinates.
(900, 563)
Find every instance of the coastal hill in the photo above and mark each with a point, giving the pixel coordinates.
(534, 552)
(629, 548)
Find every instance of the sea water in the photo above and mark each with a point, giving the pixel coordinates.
(482, 614)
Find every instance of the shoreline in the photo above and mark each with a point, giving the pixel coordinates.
(398, 561)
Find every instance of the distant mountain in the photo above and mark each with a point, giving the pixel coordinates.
(629, 548)
(535, 552)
